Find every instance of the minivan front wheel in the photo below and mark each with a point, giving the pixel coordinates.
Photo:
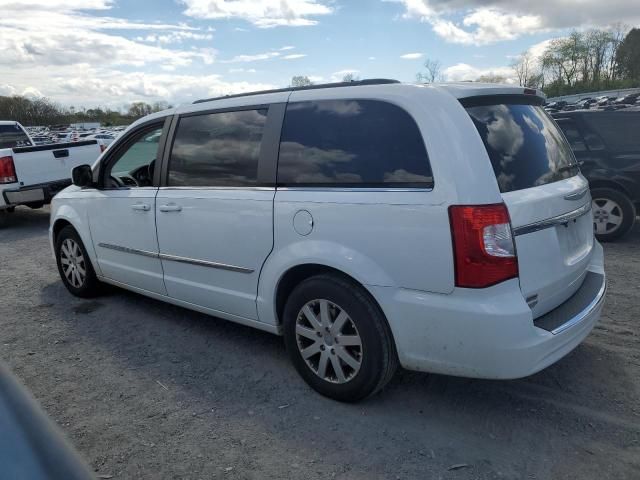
(74, 264)
(338, 339)
(613, 214)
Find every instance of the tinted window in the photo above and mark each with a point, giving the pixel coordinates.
(351, 142)
(618, 130)
(217, 149)
(12, 136)
(570, 130)
(525, 146)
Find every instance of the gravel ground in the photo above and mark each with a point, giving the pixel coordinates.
(148, 390)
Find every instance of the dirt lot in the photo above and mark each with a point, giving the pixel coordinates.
(147, 390)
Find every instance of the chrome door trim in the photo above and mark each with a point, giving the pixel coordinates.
(205, 263)
(176, 258)
(219, 188)
(563, 219)
(135, 251)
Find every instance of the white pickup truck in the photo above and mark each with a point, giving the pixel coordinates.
(31, 175)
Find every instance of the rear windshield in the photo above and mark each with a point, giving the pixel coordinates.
(13, 136)
(525, 146)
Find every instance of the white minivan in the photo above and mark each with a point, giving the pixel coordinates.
(445, 228)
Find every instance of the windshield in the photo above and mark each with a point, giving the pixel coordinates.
(524, 144)
(13, 136)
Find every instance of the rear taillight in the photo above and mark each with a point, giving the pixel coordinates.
(482, 244)
(7, 170)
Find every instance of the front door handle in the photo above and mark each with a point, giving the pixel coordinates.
(172, 207)
(141, 206)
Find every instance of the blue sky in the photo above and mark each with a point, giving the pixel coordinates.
(111, 52)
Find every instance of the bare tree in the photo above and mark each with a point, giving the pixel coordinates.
(350, 77)
(491, 78)
(432, 73)
(300, 81)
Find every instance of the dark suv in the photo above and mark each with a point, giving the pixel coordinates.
(607, 143)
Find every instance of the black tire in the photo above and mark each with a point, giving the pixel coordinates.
(377, 354)
(625, 208)
(90, 285)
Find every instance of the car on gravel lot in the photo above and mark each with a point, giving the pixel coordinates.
(446, 228)
(607, 145)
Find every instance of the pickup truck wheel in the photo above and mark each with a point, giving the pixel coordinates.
(74, 264)
(338, 339)
(613, 214)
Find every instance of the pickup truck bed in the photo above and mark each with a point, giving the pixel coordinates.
(39, 172)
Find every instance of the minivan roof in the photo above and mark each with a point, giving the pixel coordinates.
(457, 89)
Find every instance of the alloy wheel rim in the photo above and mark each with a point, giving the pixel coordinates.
(607, 215)
(73, 263)
(329, 341)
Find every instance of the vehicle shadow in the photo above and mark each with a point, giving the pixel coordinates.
(189, 373)
(25, 223)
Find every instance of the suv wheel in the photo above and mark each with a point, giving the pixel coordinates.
(74, 265)
(338, 339)
(613, 214)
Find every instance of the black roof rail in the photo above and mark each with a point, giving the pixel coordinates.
(353, 83)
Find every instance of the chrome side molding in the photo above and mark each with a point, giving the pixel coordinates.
(205, 263)
(563, 219)
(133, 251)
(176, 258)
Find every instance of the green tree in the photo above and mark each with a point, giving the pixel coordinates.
(628, 55)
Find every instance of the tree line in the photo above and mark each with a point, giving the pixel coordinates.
(584, 61)
(42, 111)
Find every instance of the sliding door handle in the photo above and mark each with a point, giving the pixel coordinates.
(171, 207)
(141, 207)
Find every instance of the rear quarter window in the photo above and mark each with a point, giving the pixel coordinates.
(525, 146)
(618, 130)
(354, 143)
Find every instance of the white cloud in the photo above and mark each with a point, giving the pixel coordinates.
(372, 58)
(62, 51)
(294, 56)
(242, 70)
(288, 47)
(489, 21)
(262, 13)
(411, 56)
(174, 37)
(462, 72)
(252, 57)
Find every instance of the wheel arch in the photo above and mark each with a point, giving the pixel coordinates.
(612, 184)
(65, 215)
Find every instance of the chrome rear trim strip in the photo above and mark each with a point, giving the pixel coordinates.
(563, 219)
(205, 263)
(134, 251)
(176, 258)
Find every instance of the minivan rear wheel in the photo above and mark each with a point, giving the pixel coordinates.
(338, 338)
(613, 214)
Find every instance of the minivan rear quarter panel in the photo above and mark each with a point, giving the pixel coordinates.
(389, 237)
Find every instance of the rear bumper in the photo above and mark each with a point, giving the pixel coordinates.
(489, 333)
(33, 194)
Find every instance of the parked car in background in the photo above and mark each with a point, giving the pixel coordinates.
(105, 138)
(443, 227)
(32, 175)
(607, 144)
(12, 134)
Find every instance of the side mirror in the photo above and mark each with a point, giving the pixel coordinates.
(82, 176)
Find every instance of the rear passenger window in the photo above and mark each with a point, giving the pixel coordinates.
(217, 149)
(619, 130)
(355, 143)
